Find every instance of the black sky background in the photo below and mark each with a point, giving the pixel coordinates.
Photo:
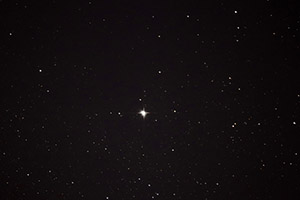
(219, 79)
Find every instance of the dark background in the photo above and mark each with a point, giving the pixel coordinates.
(219, 79)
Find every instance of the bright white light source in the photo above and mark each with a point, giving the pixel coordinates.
(143, 113)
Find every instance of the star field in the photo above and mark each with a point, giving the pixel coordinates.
(149, 100)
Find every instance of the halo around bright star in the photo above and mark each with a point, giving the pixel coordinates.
(143, 113)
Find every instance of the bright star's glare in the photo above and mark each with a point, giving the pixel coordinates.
(143, 113)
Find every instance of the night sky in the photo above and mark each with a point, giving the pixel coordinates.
(217, 83)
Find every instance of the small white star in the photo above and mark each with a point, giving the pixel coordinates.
(143, 113)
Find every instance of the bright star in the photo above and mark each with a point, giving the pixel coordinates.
(143, 113)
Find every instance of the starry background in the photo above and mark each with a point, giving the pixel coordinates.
(218, 78)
